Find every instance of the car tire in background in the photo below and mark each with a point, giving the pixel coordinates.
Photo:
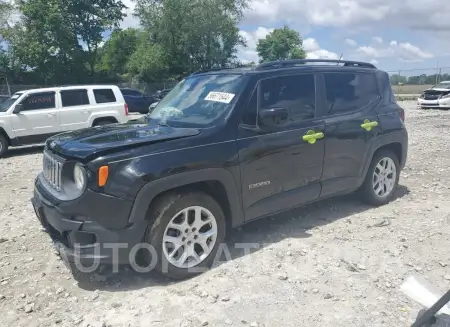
(381, 179)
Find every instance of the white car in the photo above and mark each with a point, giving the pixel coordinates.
(32, 116)
(436, 97)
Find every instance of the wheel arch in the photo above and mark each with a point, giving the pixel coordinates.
(3, 132)
(217, 182)
(106, 118)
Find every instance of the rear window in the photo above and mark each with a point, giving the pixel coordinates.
(350, 91)
(104, 96)
(72, 98)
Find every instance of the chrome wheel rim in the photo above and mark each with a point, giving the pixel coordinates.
(384, 177)
(190, 237)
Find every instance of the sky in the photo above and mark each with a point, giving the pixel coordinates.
(394, 35)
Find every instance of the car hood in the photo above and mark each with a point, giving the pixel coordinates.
(437, 91)
(85, 143)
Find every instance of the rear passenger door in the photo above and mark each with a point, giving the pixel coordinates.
(75, 109)
(280, 170)
(352, 99)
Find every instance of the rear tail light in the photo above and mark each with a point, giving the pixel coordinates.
(402, 115)
(126, 109)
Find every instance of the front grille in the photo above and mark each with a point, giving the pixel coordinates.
(52, 171)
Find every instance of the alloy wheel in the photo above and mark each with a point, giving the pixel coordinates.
(384, 177)
(190, 237)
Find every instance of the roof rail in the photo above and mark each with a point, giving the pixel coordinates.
(295, 62)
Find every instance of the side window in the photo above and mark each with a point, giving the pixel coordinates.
(104, 96)
(251, 111)
(296, 93)
(37, 101)
(72, 98)
(349, 91)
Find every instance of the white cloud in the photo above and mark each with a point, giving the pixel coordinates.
(374, 62)
(249, 54)
(129, 20)
(352, 13)
(377, 39)
(310, 44)
(351, 42)
(404, 51)
(322, 54)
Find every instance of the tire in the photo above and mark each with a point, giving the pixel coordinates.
(168, 209)
(386, 190)
(3, 145)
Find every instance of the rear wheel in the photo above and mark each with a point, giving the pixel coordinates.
(186, 233)
(3, 145)
(382, 179)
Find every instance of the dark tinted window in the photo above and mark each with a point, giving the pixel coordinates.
(74, 98)
(349, 91)
(251, 111)
(296, 93)
(104, 96)
(36, 101)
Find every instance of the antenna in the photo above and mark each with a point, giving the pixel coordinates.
(340, 58)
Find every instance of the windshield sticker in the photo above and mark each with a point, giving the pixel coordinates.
(220, 97)
(15, 96)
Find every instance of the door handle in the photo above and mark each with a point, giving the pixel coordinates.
(368, 125)
(311, 137)
(50, 115)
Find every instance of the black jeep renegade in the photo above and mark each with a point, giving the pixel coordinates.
(221, 149)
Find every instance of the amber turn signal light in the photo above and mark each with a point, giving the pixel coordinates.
(103, 173)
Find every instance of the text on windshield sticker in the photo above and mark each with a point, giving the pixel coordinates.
(220, 97)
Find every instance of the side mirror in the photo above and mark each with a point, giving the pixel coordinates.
(18, 108)
(274, 117)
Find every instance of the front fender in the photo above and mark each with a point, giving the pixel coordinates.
(148, 193)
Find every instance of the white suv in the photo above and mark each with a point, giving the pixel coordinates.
(30, 117)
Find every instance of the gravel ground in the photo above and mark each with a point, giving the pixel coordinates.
(334, 263)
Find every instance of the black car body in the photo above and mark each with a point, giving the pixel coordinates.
(137, 101)
(246, 144)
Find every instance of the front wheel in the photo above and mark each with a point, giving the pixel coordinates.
(186, 233)
(382, 179)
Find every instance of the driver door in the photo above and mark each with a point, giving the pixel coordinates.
(280, 170)
(39, 118)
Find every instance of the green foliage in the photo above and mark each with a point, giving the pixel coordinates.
(117, 51)
(281, 44)
(194, 35)
(419, 80)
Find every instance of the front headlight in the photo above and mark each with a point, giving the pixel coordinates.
(79, 177)
(445, 96)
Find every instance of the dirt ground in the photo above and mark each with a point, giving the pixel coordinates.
(334, 263)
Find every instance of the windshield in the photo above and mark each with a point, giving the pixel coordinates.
(198, 101)
(8, 103)
(443, 85)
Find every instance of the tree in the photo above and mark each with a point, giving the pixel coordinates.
(59, 39)
(194, 35)
(89, 19)
(117, 51)
(281, 44)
